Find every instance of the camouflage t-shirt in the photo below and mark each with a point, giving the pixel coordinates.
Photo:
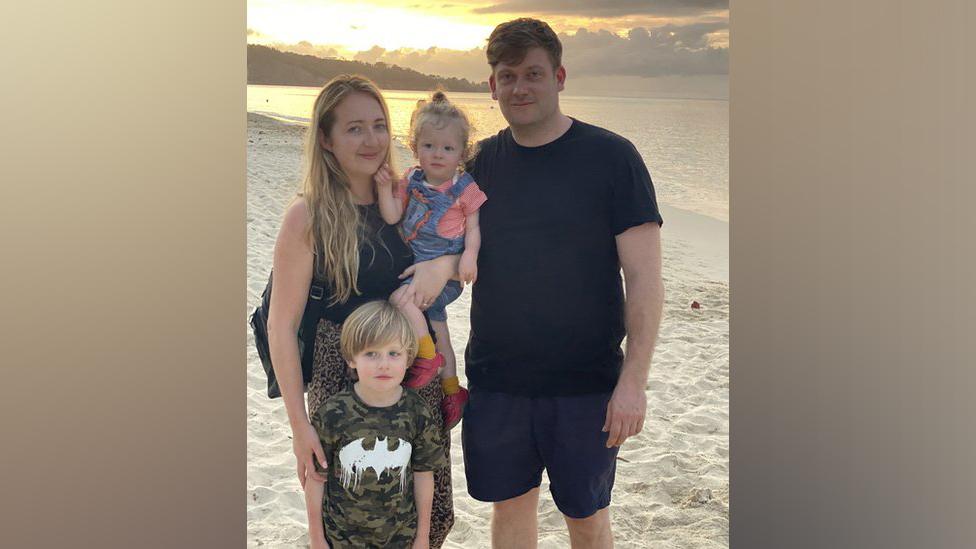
(372, 454)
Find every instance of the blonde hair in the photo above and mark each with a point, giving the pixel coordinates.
(374, 324)
(440, 112)
(335, 227)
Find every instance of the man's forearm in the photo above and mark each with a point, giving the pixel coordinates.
(643, 307)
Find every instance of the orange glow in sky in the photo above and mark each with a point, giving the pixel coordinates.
(360, 26)
(417, 24)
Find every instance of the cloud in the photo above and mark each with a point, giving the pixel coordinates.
(669, 50)
(662, 51)
(666, 51)
(611, 8)
(307, 48)
(470, 64)
(372, 55)
(254, 33)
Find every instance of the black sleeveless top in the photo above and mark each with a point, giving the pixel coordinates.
(381, 260)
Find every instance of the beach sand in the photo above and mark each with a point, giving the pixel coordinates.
(672, 482)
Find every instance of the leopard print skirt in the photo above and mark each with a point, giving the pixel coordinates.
(330, 376)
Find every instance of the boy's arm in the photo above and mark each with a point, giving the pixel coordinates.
(391, 209)
(427, 454)
(314, 493)
(468, 266)
(423, 495)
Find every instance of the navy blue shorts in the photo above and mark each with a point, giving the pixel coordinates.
(508, 440)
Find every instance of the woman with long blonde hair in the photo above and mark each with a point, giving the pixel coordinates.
(333, 233)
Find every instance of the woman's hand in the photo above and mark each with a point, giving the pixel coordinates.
(429, 278)
(308, 447)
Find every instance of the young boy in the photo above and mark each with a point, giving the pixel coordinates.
(380, 442)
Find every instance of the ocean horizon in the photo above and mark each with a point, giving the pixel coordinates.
(684, 142)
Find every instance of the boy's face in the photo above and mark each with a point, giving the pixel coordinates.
(381, 368)
(528, 93)
(439, 152)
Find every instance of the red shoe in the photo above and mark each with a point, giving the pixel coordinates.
(452, 408)
(422, 371)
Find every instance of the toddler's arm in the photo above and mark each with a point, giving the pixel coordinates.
(390, 207)
(314, 493)
(468, 266)
(423, 495)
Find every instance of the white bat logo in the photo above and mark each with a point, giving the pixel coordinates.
(355, 459)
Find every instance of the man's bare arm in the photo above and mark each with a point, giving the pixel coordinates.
(639, 249)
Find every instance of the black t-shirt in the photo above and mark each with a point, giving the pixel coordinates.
(547, 315)
(383, 255)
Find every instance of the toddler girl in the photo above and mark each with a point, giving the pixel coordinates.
(437, 205)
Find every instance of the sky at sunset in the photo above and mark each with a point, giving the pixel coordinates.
(610, 47)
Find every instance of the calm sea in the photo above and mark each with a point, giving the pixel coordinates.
(684, 142)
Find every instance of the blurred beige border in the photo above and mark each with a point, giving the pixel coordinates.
(123, 159)
(852, 238)
(852, 269)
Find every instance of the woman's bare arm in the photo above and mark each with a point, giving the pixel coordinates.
(293, 265)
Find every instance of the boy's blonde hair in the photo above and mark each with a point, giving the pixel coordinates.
(374, 324)
(439, 112)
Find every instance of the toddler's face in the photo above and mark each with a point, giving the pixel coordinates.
(439, 151)
(381, 368)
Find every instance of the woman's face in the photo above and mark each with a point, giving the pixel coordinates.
(360, 137)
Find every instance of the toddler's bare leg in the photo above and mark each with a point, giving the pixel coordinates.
(444, 347)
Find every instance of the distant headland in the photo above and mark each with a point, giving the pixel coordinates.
(272, 67)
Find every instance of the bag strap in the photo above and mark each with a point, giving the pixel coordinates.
(317, 290)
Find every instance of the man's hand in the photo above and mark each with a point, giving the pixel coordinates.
(639, 249)
(318, 543)
(625, 412)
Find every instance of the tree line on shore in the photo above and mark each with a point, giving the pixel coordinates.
(269, 66)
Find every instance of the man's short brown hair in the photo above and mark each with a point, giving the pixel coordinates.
(511, 41)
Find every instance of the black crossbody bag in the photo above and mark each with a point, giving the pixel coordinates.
(314, 307)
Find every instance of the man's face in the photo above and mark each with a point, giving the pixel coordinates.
(528, 93)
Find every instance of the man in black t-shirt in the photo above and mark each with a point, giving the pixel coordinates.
(569, 204)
